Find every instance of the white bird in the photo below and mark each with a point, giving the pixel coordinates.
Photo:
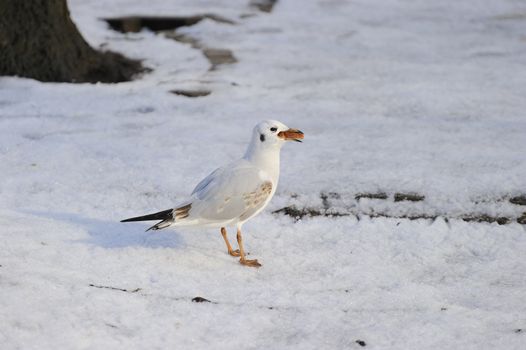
(234, 193)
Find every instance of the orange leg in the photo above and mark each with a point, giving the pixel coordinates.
(228, 246)
(242, 260)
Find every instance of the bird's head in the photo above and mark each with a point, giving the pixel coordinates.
(273, 133)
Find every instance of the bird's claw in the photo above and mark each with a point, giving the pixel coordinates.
(237, 253)
(251, 263)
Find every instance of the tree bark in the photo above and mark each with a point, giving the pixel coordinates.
(39, 40)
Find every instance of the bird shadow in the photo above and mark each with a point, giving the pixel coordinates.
(112, 234)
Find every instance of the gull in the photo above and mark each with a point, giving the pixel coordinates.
(235, 193)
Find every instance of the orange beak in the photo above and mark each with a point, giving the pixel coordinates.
(291, 135)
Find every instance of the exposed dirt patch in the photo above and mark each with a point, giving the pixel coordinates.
(297, 213)
(217, 57)
(486, 218)
(263, 5)
(134, 24)
(247, 15)
(413, 197)
(183, 38)
(511, 17)
(115, 288)
(200, 300)
(300, 213)
(519, 200)
(408, 217)
(332, 206)
(380, 195)
(191, 93)
(169, 25)
(326, 196)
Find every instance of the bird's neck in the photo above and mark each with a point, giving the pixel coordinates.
(267, 159)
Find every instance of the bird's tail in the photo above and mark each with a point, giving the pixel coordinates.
(167, 217)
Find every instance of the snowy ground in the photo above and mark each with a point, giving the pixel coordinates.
(393, 96)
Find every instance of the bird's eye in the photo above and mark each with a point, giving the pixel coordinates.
(273, 129)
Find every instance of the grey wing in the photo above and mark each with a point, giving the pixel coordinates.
(228, 194)
(201, 186)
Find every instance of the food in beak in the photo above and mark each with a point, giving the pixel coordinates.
(291, 135)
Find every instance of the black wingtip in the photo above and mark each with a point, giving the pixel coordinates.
(162, 215)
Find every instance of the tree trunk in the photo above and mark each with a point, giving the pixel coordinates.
(38, 40)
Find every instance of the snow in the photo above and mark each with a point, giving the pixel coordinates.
(393, 96)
